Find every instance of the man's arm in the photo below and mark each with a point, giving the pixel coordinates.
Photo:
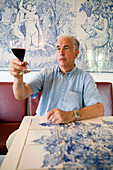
(58, 116)
(92, 111)
(21, 90)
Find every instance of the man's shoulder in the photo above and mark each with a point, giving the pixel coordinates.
(83, 73)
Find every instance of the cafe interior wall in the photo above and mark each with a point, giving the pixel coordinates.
(39, 24)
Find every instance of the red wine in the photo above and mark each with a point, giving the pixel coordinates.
(19, 53)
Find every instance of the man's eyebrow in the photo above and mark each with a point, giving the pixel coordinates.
(64, 46)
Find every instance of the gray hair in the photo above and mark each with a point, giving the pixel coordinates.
(75, 41)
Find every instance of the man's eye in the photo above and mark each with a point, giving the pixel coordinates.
(58, 48)
(66, 48)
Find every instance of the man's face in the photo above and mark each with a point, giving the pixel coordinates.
(66, 54)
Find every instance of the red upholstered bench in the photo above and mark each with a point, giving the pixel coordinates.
(105, 90)
(12, 112)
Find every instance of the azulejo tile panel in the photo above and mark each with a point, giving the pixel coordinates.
(106, 151)
(77, 145)
(100, 133)
(40, 23)
(81, 155)
(49, 160)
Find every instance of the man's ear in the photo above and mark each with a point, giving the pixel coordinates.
(76, 53)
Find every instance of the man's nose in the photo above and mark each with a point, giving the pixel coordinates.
(62, 51)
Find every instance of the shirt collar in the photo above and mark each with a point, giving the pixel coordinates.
(68, 73)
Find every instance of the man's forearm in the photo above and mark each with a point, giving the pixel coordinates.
(92, 111)
(19, 88)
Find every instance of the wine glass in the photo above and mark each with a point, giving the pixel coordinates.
(18, 49)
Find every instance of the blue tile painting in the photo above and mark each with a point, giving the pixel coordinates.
(39, 24)
(82, 146)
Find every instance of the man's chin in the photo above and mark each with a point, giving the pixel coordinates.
(62, 62)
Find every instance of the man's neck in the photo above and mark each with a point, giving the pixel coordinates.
(64, 71)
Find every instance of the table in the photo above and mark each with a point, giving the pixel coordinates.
(40, 144)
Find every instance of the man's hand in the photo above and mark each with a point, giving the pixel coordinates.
(59, 116)
(16, 66)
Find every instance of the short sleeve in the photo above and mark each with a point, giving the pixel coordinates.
(36, 83)
(90, 92)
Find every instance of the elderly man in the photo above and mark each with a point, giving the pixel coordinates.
(68, 93)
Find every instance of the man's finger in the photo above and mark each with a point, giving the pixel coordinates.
(49, 114)
(57, 122)
(53, 119)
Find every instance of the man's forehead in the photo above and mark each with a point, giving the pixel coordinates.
(64, 42)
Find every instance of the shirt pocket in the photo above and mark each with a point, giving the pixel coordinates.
(72, 100)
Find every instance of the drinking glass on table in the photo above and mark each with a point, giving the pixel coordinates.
(18, 48)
